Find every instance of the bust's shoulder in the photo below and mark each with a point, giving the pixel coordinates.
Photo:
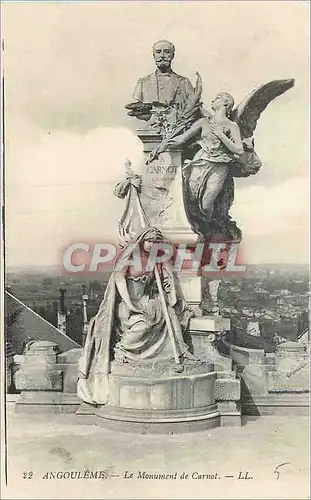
(180, 77)
(147, 77)
(184, 83)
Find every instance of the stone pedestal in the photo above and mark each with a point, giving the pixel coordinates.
(38, 372)
(152, 402)
(162, 397)
(206, 333)
(46, 379)
(292, 369)
(273, 383)
(162, 201)
(162, 194)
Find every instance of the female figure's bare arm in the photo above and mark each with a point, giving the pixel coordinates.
(234, 144)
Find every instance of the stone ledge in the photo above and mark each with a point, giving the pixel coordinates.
(277, 404)
(279, 382)
(277, 399)
(156, 422)
(157, 416)
(226, 375)
(162, 370)
(39, 359)
(202, 325)
(166, 428)
(46, 397)
(46, 402)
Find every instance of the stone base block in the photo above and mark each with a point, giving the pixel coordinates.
(230, 414)
(46, 402)
(204, 332)
(158, 422)
(38, 379)
(207, 351)
(277, 404)
(227, 394)
(227, 389)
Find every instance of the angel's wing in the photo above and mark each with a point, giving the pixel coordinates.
(247, 113)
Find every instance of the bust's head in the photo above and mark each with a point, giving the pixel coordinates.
(163, 53)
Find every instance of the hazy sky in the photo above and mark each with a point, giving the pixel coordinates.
(71, 67)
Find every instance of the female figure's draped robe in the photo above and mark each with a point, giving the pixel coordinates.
(130, 327)
(209, 187)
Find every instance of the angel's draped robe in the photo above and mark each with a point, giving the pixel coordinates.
(209, 186)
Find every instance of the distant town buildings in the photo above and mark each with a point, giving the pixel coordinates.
(276, 299)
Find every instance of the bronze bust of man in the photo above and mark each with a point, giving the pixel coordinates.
(163, 89)
(164, 86)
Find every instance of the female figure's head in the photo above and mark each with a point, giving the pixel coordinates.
(138, 250)
(223, 99)
(149, 237)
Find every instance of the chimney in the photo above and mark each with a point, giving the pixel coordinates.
(61, 313)
(85, 320)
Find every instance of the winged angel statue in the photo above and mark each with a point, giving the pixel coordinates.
(217, 146)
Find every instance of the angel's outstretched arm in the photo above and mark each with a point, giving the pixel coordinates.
(192, 131)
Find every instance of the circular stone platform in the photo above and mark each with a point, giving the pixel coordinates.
(153, 402)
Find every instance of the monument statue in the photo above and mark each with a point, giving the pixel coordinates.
(216, 145)
(210, 148)
(162, 94)
(225, 150)
(142, 319)
(220, 144)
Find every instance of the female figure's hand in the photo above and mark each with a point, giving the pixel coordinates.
(217, 130)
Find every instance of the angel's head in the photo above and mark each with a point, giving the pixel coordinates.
(223, 99)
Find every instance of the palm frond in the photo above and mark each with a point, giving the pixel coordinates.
(187, 116)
